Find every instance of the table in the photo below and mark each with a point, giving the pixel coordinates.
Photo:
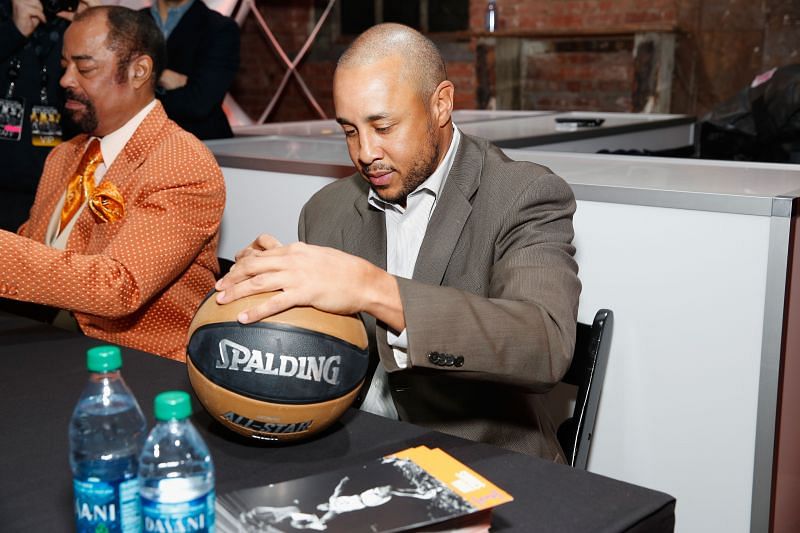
(619, 131)
(44, 373)
(528, 129)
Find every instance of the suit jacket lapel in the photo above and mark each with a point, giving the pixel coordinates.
(452, 210)
(136, 149)
(122, 169)
(366, 235)
(39, 224)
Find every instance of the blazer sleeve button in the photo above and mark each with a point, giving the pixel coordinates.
(449, 360)
(433, 357)
(459, 361)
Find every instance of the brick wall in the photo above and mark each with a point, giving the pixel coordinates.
(575, 14)
(592, 73)
(577, 54)
(292, 21)
(262, 69)
(724, 44)
(462, 74)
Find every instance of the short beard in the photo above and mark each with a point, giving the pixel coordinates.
(417, 174)
(87, 120)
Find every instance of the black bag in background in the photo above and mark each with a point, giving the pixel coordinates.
(760, 123)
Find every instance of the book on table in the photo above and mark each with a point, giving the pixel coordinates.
(417, 489)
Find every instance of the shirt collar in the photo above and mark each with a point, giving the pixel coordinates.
(113, 143)
(174, 16)
(435, 182)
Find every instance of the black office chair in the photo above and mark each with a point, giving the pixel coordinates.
(224, 266)
(587, 372)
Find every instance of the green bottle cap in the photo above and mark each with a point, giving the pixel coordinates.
(173, 404)
(103, 359)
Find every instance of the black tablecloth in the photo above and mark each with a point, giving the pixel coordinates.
(43, 373)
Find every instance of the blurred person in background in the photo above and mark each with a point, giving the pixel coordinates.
(31, 102)
(202, 60)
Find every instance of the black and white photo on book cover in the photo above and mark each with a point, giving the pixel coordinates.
(389, 494)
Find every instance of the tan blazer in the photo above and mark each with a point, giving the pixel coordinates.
(137, 281)
(491, 309)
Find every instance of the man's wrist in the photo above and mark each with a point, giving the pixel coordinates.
(381, 298)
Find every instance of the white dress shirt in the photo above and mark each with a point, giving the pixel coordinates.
(405, 230)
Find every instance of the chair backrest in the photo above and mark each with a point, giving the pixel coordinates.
(224, 266)
(587, 372)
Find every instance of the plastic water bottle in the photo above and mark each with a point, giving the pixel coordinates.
(176, 471)
(105, 436)
(490, 17)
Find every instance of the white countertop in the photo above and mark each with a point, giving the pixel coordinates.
(727, 185)
(330, 128)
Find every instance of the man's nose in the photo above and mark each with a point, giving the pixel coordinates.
(369, 149)
(67, 79)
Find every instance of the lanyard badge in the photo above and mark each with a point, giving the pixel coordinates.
(45, 119)
(12, 110)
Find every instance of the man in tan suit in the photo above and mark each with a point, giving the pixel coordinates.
(459, 259)
(123, 233)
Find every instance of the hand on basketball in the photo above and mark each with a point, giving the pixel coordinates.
(324, 278)
(265, 241)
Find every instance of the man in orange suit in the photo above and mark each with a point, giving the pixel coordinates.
(122, 236)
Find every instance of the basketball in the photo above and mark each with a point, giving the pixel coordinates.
(285, 378)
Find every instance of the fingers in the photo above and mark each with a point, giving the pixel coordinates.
(248, 286)
(262, 243)
(171, 79)
(86, 4)
(248, 267)
(83, 5)
(302, 274)
(271, 306)
(27, 15)
(259, 284)
(267, 242)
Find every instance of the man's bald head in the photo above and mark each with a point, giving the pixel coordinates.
(422, 61)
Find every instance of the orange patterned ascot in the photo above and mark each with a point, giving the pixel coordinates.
(105, 201)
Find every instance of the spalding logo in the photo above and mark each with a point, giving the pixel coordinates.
(277, 363)
(237, 358)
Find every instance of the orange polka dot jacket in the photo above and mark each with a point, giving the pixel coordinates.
(136, 281)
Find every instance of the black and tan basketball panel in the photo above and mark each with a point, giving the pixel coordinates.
(284, 378)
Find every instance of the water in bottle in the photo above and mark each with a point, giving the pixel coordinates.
(176, 471)
(105, 436)
(490, 17)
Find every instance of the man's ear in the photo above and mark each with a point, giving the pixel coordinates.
(140, 71)
(442, 102)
